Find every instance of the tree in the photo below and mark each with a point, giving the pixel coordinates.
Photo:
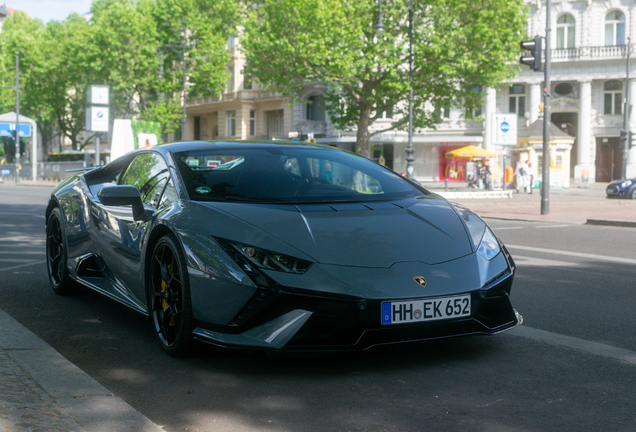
(131, 38)
(457, 45)
(28, 37)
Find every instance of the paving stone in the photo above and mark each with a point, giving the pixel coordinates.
(24, 406)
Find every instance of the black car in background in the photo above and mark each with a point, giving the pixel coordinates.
(622, 189)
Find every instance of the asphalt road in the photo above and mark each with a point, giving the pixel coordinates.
(570, 367)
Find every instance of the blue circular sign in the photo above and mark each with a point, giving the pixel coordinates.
(505, 126)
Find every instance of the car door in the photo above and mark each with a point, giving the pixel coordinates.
(123, 237)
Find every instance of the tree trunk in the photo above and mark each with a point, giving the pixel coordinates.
(363, 136)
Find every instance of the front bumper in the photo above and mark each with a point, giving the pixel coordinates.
(613, 191)
(305, 321)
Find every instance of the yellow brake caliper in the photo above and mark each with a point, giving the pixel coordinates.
(164, 303)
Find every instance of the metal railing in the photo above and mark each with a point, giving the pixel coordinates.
(594, 52)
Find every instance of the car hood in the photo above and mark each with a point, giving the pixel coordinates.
(370, 234)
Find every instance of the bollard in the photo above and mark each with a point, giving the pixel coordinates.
(445, 185)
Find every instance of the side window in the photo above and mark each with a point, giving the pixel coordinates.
(149, 173)
(169, 195)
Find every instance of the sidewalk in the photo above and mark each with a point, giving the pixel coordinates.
(573, 205)
(41, 390)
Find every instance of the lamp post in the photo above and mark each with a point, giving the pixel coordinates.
(17, 117)
(379, 28)
(180, 50)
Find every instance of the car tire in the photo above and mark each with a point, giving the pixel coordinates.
(632, 194)
(56, 255)
(169, 298)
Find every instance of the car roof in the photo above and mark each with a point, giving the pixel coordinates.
(203, 145)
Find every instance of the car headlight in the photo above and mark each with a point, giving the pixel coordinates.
(626, 183)
(489, 246)
(263, 258)
(481, 235)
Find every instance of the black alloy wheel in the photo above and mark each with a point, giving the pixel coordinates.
(56, 256)
(169, 298)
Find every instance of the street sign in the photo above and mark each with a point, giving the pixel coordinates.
(6, 129)
(504, 129)
(97, 95)
(97, 119)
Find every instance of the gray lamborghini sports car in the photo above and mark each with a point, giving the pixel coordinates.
(276, 245)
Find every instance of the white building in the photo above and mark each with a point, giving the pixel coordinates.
(588, 70)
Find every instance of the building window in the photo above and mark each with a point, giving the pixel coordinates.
(247, 81)
(565, 31)
(252, 122)
(441, 112)
(517, 100)
(615, 28)
(563, 89)
(197, 128)
(474, 113)
(316, 108)
(230, 124)
(387, 114)
(275, 123)
(230, 82)
(613, 101)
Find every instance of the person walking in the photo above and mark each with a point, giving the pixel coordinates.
(518, 177)
(530, 172)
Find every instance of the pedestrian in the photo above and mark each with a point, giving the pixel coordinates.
(518, 177)
(530, 177)
(523, 170)
(478, 174)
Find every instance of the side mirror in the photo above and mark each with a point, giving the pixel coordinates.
(122, 196)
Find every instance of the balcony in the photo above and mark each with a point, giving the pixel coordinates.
(589, 53)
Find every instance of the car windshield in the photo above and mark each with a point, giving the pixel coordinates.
(287, 174)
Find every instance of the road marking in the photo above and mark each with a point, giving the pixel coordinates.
(22, 238)
(22, 214)
(16, 260)
(574, 254)
(524, 261)
(505, 228)
(560, 340)
(22, 265)
(22, 253)
(553, 226)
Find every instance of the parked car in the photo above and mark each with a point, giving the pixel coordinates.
(622, 189)
(276, 245)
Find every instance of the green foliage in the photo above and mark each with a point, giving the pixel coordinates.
(119, 47)
(457, 44)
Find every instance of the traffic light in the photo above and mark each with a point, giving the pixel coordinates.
(622, 139)
(533, 59)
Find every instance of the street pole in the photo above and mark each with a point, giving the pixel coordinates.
(180, 50)
(409, 149)
(183, 58)
(545, 168)
(17, 117)
(379, 28)
(97, 149)
(626, 142)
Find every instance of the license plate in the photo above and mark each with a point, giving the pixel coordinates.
(426, 309)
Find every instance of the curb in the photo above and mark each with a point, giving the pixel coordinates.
(79, 396)
(518, 219)
(611, 222)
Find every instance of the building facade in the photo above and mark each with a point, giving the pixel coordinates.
(589, 42)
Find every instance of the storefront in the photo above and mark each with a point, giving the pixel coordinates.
(530, 150)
